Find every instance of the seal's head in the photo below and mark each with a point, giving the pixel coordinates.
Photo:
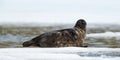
(81, 23)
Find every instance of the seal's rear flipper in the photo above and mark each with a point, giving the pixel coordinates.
(27, 43)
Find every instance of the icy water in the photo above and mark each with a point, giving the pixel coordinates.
(97, 35)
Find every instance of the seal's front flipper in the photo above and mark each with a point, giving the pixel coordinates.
(84, 46)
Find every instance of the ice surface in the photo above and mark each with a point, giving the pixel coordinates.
(66, 53)
(105, 35)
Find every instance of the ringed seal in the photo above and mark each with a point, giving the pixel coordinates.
(61, 38)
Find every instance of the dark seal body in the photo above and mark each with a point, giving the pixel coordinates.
(61, 38)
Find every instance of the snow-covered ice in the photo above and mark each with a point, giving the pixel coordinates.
(66, 53)
(105, 35)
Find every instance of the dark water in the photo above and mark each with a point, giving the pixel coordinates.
(14, 36)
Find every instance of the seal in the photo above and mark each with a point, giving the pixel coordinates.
(61, 38)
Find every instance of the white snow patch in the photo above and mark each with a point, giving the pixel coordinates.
(105, 35)
(66, 53)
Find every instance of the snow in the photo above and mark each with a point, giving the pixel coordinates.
(65, 53)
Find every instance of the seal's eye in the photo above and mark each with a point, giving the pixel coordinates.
(82, 22)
